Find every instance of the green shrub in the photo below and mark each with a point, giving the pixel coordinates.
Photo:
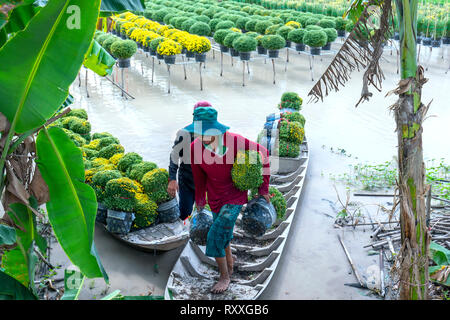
(240, 23)
(296, 35)
(273, 42)
(169, 16)
(311, 21)
(331, 34)
(284, 31)
(252, 34)
(315, 38)
(200, 29)
(90, 153)
(273, 29)
(247, 171)
(349, 26)
(75, 137)
(120, 194)
(278, 201)
(100, 135)
(228, 41)
(219, 35)
(313, 27)
(100, 179)
(160, 14)
(245, 44)
(100, 39)
(179, 22)
(110, 150)
(213, 23)
(262, 25)
(288, 149)
(79, 113)
(145, 211)
(138, 170)
(80, 126)
(227, 24)
(155, 184)
(295, 117)
(327, 23)
(106, 141)
(128, 160)
(290, 100)
(340, 23)
(123, 49)
(108, 43)
(187, 24)
(155, 43)
(203, 18)
(250, 25)
(291, 131)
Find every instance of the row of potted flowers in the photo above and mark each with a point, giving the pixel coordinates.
(131, 193)
(159, 40)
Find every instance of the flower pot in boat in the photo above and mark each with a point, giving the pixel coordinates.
(119, 221)
(168, 211)
(258, 217)
(102, 212)
(199, 227)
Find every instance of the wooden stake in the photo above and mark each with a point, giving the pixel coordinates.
(351, 263)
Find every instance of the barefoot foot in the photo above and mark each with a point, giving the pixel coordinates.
(221, 285)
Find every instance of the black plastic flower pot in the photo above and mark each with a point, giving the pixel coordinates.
(245, 56)
(146, 49)
(124, 63)
(435, 43)
(152, 52)
(327, 46)
(224, 48)
(113, 31)
(190, 54)
(170, 59)
(426, 41)
(101, 213)
(300, 46)
(446, 40)
(315, 51)
(234, 52)
(168, 211)
(119, 221)
(184, 51)
(288, 44)
(273, 53)
(341, 33)
(159, 56)
(124, 37)
(396, 36)
(418, 39)
(261, 50)
(244, 31)
(200, 57)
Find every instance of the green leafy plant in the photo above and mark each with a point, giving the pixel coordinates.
(100, 179)
(145, 211)
(110, 150)
(327, 23)
(315, 38)
(123, 49)
(128, 160)
(228, 41)
(138, 170)
(262, 25)
(273, 42)
(296, 35)
(200, 28)
(331, 34)
(187, 24)
(290, 100)
(284, 31)
(227, 24)
(245, 44)
(340, 23)
(273, 29)
(294, 117)
(155, 184)
(219, 35)
(120, 194)
(213, 23)
(250, 25)
(247, 171)
(278, 201)
(155, 43)
(291, 131)
(288, 149)
(240, 23)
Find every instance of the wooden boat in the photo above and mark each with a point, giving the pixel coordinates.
(194, 273)
(160, 237)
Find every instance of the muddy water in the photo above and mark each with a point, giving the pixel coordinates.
(313, 265)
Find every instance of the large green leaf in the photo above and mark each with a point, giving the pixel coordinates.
(20, 262)
(73, 206)
(7, 235)
(11, 289)
(439, 254)
(40, 62)
(99, 60)
(121, 5)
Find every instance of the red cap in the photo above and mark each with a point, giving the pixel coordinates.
(202, 104)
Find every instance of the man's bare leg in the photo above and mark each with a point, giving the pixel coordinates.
(231, 258)
(224, 279)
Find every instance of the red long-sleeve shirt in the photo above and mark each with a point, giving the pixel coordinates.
(212, 172)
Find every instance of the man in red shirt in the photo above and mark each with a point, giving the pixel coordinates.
(213, 154)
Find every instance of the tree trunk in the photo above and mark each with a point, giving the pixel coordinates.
(409, 115)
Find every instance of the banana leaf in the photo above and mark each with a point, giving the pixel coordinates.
(20, 262)
(40, 62)
(73, 205)
(11, 289)
(73, 282)
(7, 235)
(99, 60)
